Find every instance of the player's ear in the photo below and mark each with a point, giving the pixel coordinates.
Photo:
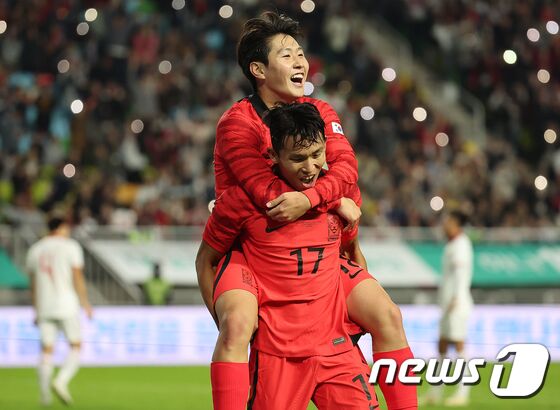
(257, 69)
(273, 155)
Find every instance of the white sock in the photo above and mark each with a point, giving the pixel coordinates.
(45, 372)
(69, 368)
(462, 389)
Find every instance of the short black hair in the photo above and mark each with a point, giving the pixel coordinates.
(55, 222)
(302, 121)
(459, 216)
(254, 40)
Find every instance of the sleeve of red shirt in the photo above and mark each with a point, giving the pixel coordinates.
(355, 195)
(230, 211)
(343, 166)
(239, 142)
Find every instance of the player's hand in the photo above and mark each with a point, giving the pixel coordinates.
(89, 311)
(288, 207)
(350, 212)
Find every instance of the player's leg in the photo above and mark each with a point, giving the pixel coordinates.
(47, 331)
(280, 383)
(435, 393)
(71, 365)
(343, 383)
(458, 333)
(372, 309)
(236, 307)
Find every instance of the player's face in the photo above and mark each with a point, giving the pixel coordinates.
(300, 167)
(286, 72)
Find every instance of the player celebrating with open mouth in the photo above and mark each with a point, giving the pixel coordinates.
(274, 62)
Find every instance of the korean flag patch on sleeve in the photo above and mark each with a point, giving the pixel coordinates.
(337, 128)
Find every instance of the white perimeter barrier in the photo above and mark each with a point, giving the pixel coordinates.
(122, 336)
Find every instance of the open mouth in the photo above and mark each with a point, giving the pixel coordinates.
(307, 179)
(297, 79)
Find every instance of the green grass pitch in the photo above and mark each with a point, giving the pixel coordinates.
(188, 388)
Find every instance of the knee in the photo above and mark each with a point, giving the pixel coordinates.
(389, 318)
(237, 327)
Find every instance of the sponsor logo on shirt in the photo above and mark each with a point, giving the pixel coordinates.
(337, 128)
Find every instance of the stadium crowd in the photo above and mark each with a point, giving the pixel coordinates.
(110, 114)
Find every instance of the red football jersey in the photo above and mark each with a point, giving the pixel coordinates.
(242, 140)
(302, 309)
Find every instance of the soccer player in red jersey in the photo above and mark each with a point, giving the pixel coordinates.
(302, 350)
(274, 62)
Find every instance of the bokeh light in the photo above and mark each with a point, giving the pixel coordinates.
(307, 6)
(436, 203)
(388, 74)
(308, 88)
(533, 35)
(90, 14)
(165, 67)
(543, 76)
(419, 114)
(3, 26)
(550, 136)
(226, 11)
(82, 28)
(69, 170)
(442, 139)
(77, 106)
(178, 4)
(510, 57)
(137, 126)
(367, 113)
(344, 87)
(541, 183)
(318, 79)
(552, 27)
(63, 66)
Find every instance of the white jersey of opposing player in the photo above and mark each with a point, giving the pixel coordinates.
(51, 260)
(457, 273)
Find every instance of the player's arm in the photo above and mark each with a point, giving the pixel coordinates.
(80, 286)
(206, 260)
(461, 272)
(222, 228)
(30, 267)
(350, 245)
(342, 177)
(351, 249)
(33, 289)
(238, 142)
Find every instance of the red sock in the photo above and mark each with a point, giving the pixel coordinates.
(230, 385)
(397, 395)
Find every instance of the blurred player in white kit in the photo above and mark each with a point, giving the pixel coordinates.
(55, 264)
(455, 300)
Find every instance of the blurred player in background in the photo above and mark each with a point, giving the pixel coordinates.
(58, 288)
(274, 63)
(455, 300)
(302, 350)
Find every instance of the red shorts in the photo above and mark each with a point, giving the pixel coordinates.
(233, 273)
(331, 382)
